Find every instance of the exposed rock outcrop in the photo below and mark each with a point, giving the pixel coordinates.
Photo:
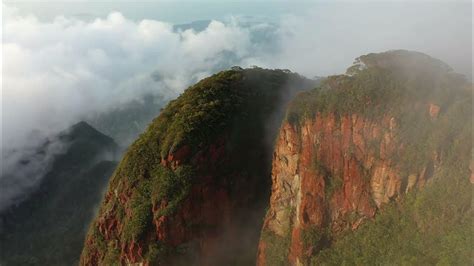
(333, 174)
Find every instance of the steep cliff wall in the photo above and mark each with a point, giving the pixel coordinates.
(356, 146)
(193, 188)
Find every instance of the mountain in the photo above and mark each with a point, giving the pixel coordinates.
(48, 228)
(372, 168)
(125, 122)
(198, 26)
(197, 177)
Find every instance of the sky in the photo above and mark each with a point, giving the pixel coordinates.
(169, 11)
(62, 60)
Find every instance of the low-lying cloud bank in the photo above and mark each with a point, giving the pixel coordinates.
(58, 72)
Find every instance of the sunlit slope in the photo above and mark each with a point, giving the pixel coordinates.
(373, 168)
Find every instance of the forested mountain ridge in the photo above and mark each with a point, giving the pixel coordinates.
(373, 168)
(49, 226)
(197, 177)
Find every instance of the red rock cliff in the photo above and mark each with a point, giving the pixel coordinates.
(208, 216)
(333, 173)
(357, 143)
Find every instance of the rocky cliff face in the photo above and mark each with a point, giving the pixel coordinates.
(332, 175)
(193, 188)
(336, 168)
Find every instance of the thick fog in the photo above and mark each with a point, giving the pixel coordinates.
(326, 39)
(57, 72)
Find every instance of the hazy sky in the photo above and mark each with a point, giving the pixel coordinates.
(169, 11)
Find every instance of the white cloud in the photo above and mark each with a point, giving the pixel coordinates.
(55, 72)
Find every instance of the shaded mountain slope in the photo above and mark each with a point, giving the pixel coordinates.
(197, 177)
(48, 228)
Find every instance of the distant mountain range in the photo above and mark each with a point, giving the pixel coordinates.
(48, 228)
(198, 25)
(126, 122)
